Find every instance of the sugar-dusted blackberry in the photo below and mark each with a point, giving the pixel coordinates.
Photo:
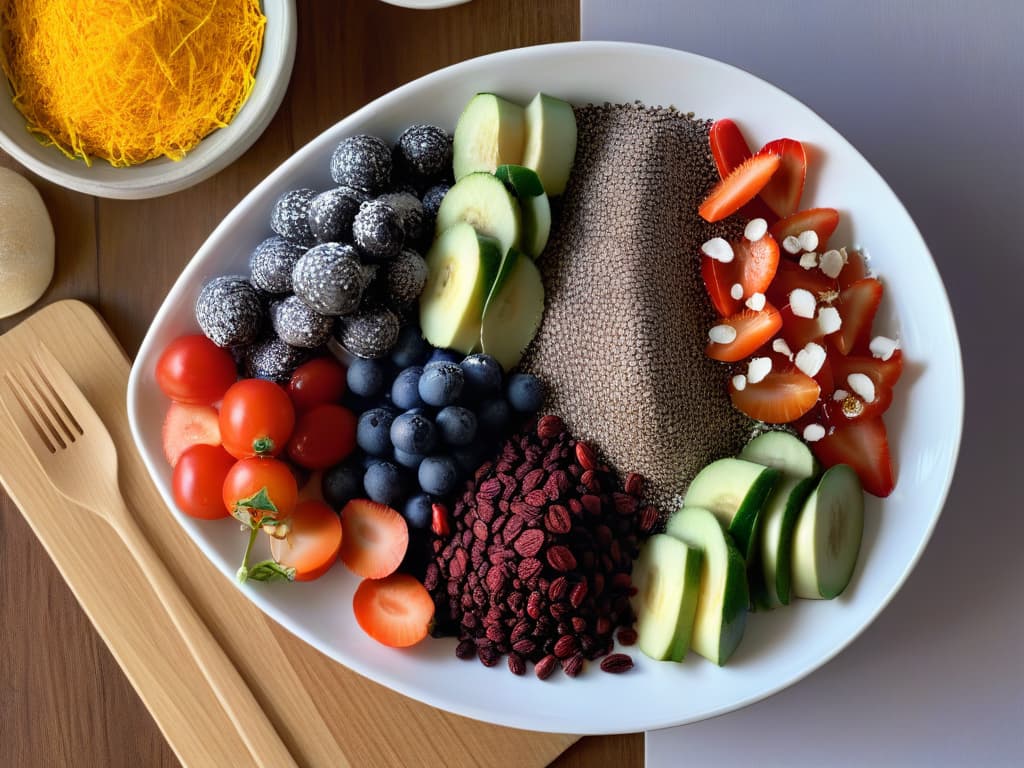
(432, 199)
(427, 149)
(377, 230)
(369, 334)
(406, 275)
(415, 222)
(229, 311)
(271, 264)
(296, 324)
(272, 359)
(290, 217)
(330, 279)
(331, 214)
(363, 162)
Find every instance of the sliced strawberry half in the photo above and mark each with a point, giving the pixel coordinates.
(789, 276)
(857, 305)
(779, 398)
(881, 372)
(188, 425)
(374, 538)
(823, 221)
(396, 611)
(753, 331)
(799, 331)
(739, 187)
(856, 268)
(864, 445)
(782, 193)
(752, 268)
(728, 147)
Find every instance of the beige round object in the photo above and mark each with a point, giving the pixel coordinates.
(26, 244)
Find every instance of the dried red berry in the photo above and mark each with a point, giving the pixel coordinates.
(616, 663)
(439, 520)
(543, 668)
(585, 455)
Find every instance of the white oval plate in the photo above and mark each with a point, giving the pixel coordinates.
(780, 647)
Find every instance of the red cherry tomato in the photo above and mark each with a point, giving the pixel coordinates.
(198, 481)
(249, 476)
(318, 382)
(256, 419)
(312, 543)
(323, 436)
(195, 371)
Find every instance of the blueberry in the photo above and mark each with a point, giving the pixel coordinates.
(377, 230)
(525, 392)
(438, 475)
(432, 199)
(330, 279)
(418, 511)
(411, 348)
(273, 359)
(408, 460)
(229, 311)
(413, 433)
(469, 458)
(405, 393)
(365, 377)
(290, 217)
(494, 415)
(342, 483)
(456, 425)
(296, 324)
(441, 383)
(272, 262)
(331, 214)
(483, 375)
(368, 461)
(369, 333)
(383, 483)
(405, 277)
(444, 356)
(373, 431)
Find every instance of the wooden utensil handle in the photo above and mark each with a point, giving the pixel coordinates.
(234, 694)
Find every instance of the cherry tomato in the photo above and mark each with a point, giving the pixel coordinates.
(312, 543)
(249, 476)
(318, 382)
(323, 436)
(256, 419)
(195, 371)
(198, 481)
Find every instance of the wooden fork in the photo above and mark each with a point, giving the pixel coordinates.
(77, 454)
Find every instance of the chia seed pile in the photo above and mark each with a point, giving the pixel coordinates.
(622, 344)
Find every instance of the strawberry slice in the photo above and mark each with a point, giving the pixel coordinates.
(789, 276)
(857, 305)
(856, 268)
(753, 330)
(752, 267)
(782, 193)
(728, 147)
(396, 611)
(864, 445)
(188, 425)
(374, 538)
(823, 221)
(739, 187)
(779, 398)
(881, 372)
(312, 543)
(799, 331)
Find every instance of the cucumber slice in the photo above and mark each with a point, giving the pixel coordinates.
(461, 267)
(667, 578)
(770, 570)
(533, 204)
(550, 147)
(490, 132)
(736, 491)
(721, 614)
(827, 536)
(513, 311)
(783, 451)
(484, 202)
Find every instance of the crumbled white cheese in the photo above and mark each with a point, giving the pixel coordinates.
(862, 385)
(791, 245)
(718, 248)
(739, 382)
(829, 320)
(736, 291)
(882, 347)
(780, 346)
(758, 368)
(755, 229)
(722, 334)
(808, 240)
(810, 358)
(809, 260)
(832, 263)
(839, 395)
(756, 301)
(802, 303)
(813, 433)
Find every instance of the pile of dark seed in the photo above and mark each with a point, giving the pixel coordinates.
(626, 317)
(538, 564)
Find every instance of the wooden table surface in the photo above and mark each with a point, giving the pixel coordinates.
(61, 692)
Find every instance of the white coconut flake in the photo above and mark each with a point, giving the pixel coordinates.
(802, 303)
(736, 291)
(758, 368)
(809, 260)
(780, 346)
(863, 385)
(791, 244)
(739, 382)
(839, 395)
(718, 248)
(808, 240)
(722, 334)
(813, 433)
(832, 263)
(829, 320)
(756, 301)
(755, 229)
(810, 358)
(882, 347)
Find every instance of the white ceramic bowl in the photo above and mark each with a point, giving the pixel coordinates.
(163, 176)
(780, 646)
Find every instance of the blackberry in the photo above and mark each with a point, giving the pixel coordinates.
(290, 217)
(272, 262)
(363, 162)
(273, 359)
(426, 149)
(331, 214)
(229, 311)
(298, 325)
(377, 230)
(330, 279)
(369, 334)
(415, 222)
(406, 275)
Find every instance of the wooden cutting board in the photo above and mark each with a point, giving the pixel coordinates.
(328, 715)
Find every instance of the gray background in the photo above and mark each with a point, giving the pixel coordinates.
(932, 94)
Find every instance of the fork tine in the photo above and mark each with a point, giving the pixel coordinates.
(37, 390)
(55, 402)
(24, 416)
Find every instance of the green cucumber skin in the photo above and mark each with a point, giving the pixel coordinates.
(745, 524)
(784, 566)
(735, 607)
(534, 207)
(524, 181)
(681, 642)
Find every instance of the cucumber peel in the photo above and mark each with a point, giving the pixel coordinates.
(533, 204)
